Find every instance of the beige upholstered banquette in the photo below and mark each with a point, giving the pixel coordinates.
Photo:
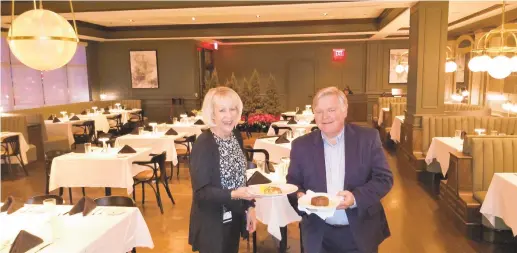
(384, 102)
(467, 110)
(445, 126)
(490, 154)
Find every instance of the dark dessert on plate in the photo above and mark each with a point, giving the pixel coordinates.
(320, 201)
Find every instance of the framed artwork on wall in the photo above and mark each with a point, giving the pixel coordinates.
(398, 70)
(144, 69)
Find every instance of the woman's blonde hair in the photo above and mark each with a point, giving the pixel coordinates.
(215, 96)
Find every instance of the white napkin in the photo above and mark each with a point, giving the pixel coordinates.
(322, 214)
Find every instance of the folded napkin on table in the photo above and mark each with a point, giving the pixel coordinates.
(75, 118)
(190, 114)
(291, 122)
(199, 122)
(171, 132)
(282, 139)
(56, 120)
(24, 242)
(258, 178)
(51, 117)
(322, 214)
(84, 112)
(127, 150)
(8, 205)
(85, 205)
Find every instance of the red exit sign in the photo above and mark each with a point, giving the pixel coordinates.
(338, 54)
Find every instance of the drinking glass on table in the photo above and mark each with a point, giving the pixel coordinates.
(285, 165)
(50, 205)
(140, 130)
(87, 148)
(457, 134)
(175, 120)
(493, 132)
(289, 134)
(297, 109)
(260, 166)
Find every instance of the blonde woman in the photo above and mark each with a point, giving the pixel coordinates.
(222, 208)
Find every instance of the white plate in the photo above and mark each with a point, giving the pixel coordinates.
(305, 202)
(286, 189)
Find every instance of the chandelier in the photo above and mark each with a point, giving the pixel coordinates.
(42, 39)
(495, 58)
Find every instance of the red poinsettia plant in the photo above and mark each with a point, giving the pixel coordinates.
(260, 121)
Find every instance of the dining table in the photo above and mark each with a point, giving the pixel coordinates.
(500, 200)
(276, 151)
(105, 229)
(24, 146)
(306, 126)
(441, 149)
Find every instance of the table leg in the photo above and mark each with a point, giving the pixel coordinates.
(283, 242)
(107, 190)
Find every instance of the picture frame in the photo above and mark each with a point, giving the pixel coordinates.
(398, 66)
(144, 69)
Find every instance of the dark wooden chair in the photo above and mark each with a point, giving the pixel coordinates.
(187, 142)
(11, 148)
(157, 174)
(115, 123)
(249, 152)
(87, 133)
(38, 200)
(115, 201)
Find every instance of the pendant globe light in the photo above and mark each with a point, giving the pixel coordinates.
(495, 58)
(450, 64)
(42, 39)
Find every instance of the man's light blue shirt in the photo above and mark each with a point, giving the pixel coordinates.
(335, 173)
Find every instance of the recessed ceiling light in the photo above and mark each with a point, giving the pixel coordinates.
(325, 14)
(131, 20)
(258, 16)
(193, 18)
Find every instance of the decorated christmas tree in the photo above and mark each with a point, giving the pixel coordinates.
(272, 101)
(211, 81)
(253, 93)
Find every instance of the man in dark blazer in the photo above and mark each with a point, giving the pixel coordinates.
(345, 160)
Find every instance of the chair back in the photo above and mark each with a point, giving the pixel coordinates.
(115, 201)
(249, 152)
(11, 145)
(277, 128)
(159, 164)
(88, 134)
(38, 200)
(115, 121)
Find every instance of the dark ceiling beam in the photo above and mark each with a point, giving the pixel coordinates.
(390, 21)
(94, 6)
(305, 38)
(388, 16)
(482, 25)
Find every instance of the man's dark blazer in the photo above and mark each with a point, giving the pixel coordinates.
(367, 176)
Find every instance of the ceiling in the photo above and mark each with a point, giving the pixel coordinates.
(244, 22)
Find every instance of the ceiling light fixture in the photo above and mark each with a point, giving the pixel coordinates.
(193, 18)
(450, 64)
(42, 39)
(258, 16)
(494, 58)
(325, 14)
(131, 20)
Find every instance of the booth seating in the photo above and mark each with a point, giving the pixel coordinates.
(470, 175)
(396, 109)
(18, 123)
(384, 102)
(466, 110)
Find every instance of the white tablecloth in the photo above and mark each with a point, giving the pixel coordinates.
(189, 129)
(441, 149)
(157, 142)
(116, 229)
(276, 151)
(275, 212)
(381, 115)
(97, 169)
(24, 147)
(61, 129)
(293, 127)
(500, 200)
(395, 128)
(101, 120)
